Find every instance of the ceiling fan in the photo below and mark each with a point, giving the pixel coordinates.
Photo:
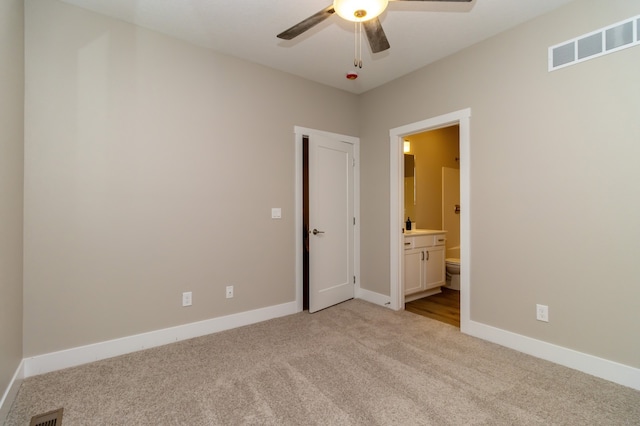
(365, 12)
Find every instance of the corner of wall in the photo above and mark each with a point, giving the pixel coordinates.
(10, 393)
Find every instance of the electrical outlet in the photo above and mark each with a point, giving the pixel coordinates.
(542, 313)
(229, 292)
(186, 298)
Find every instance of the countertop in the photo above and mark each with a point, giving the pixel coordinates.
(415, 232)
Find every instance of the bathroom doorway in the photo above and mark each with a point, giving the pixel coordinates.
(429, 198)
(462, 119)
(432, 201)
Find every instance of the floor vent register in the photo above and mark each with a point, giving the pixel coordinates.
(52, 418)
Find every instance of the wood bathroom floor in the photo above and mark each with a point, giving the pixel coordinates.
(444, 307)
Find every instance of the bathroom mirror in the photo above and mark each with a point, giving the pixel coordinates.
(409, 186)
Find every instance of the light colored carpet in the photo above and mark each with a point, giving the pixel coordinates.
(352, 364)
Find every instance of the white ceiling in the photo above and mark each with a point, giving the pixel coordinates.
(420, 32)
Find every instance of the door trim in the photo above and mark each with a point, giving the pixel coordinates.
(299, 132)
(396, 214)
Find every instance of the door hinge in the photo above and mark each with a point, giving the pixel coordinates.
(354, 279)
(354, 162)
(354, 220)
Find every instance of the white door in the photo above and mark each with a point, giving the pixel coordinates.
(331, 222)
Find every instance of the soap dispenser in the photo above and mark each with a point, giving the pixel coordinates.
(408, 224)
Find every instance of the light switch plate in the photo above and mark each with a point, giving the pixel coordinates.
(276, 213)
(187, 298)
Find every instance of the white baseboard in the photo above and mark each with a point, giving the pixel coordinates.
(599, 367)
(11, 392)
(45, 363)
(373, 297)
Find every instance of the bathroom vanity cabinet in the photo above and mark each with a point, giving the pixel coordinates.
(424, 264)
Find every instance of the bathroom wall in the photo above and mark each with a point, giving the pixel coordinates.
(432, 151)
(11, 183)
(553, 179)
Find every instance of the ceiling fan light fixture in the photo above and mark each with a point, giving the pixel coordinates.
(359, 10)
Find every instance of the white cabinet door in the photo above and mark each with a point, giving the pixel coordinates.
(435, 267)
(414, 271)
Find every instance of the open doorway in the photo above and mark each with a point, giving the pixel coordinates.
(432, 201)
(326, 218)
(396, 176)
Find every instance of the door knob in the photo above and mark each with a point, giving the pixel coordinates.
(316, 232)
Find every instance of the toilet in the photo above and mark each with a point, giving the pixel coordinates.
(452, 262)
(453, 273)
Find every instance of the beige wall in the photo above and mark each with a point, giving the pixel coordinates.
(11, 172)
(433, 150)
(133, 141)
(554, 179)
(151, 169)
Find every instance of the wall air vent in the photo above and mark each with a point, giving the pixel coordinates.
(597, 43)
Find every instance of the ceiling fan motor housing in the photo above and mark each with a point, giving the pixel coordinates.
(359, 10)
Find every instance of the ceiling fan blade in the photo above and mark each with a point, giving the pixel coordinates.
(307, 24)
(376, 36)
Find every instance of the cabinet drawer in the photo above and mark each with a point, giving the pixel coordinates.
(418, 241)
(439, 239)
(424, 241)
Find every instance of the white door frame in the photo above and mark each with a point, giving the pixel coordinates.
(300, 132)
(396, 136)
